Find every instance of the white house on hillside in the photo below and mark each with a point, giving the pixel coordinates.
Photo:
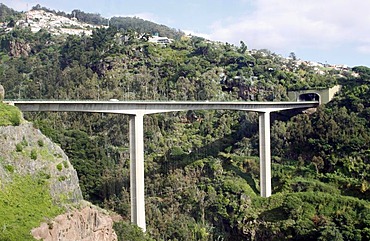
(160, 40)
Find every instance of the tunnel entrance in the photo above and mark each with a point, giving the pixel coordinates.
(309, 97)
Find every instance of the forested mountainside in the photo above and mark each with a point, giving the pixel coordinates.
(8, 15)
(202, 167)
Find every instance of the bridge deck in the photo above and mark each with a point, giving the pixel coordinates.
(149, 107)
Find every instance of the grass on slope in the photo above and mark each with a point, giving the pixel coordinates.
(24, 204)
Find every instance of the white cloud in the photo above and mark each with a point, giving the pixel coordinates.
(282, 24)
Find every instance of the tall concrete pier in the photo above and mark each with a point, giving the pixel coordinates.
(137, 110)
(137, 170)
(265, 154)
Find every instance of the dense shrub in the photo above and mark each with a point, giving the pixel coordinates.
(9, 115)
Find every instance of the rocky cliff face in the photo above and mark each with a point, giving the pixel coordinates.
(87, 224)
(19, 49)
(24, 150)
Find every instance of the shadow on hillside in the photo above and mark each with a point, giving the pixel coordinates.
(273, 215)
(246, 176)
(172, 161)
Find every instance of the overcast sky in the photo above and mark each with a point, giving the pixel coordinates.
(326, 31)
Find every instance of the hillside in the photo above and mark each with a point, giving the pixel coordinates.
(77, 22)
(38, 183)
(202, 167)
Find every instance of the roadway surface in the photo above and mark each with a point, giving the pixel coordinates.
(150, 107)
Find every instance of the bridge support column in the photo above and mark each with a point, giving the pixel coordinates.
(137, 170)
(265, 154)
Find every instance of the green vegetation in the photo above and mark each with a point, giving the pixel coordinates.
(65, 164)
(60, 167)
(24, 204)
(310, 215)
(62, 178)
(9, 168)
(33, 154)
(201, 167)
(8, 15)
(9, 115)
(40, 143)
(128, 231)
(19, 147)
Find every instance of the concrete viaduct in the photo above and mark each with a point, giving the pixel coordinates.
(137, 109)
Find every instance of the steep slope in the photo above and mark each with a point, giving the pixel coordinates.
(25, 151)
(37, 182)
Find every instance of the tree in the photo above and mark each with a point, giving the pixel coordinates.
(243, 48)
(292, 56)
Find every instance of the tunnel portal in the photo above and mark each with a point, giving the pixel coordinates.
(309, 97)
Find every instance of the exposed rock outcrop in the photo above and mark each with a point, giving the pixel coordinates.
(18, 48)
(24, 150)
(2, 93)
(27, 151)
(87, 224)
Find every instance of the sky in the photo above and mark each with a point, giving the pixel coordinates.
(325, 31)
